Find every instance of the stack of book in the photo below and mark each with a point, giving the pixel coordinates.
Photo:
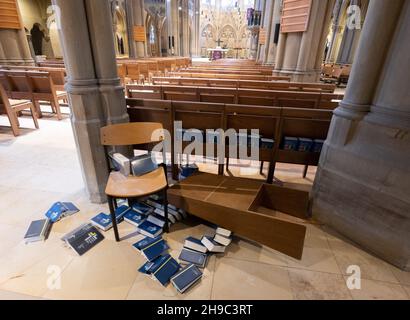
(160, 265)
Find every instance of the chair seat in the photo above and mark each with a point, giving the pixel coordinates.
(61, 94)
(120, 186)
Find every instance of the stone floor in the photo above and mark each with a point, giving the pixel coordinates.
(41, 166)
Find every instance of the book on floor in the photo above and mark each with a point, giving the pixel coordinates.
(222, 240)
(212, 245)
(165, 272)
(186, 278)
(151, 266)
(59, 210)
(188, 256)
(84, 239)
(175, 213)
(135, 218)
(223, 232)
(157, 220)
(161, 213)
(121, 211)
(37, 231)
(154, 250)
(195, 244)
(149, 229)
(142, 208)
(102, 221)
(142, 244)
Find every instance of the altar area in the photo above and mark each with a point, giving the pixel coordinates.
(217, 53)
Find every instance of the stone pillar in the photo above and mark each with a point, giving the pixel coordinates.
(361, 188)
(14, 47)
(196, 30)
(272, 48)
(173, 25)
(184, 29)
(267, 26)
(135, 17)
(302, 52)
(93, 84)
(336, 29)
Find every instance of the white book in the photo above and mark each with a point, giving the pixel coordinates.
(212, 245)
(222, 240)
(161, 213)
(223, 232)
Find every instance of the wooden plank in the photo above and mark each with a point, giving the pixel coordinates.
(9, 15)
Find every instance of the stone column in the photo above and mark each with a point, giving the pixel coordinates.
(267, 26)
(196, 30)
(93, 86)
(184, 29)
(15, 47)
(302, 52)
(135, 17)
(173, 24)
(276, 15)
(361, 188)
(337, 15)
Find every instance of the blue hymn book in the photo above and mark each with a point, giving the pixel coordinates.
(186, 278)
(166, 271)
(155, 249)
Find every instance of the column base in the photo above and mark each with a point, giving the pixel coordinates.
(367, 201)
(300, 76)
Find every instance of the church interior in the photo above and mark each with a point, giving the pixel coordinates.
(261, 147)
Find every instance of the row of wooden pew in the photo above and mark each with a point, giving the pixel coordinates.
(246, 84)
(273, 123)
(257, 97)
(336, 73)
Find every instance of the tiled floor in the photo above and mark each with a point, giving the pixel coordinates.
(41, 166)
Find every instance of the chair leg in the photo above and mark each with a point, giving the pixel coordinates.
(34, 116)
(14, 124)
(305, 172)
(38, 109)
(56, 105)
(113, 218)
(227, 164)
(261, 168)
(165, 203)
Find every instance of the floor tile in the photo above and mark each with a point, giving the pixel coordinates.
(402, 276)
(9, 295)
(235, 279)
(310, 285)
(377, 290)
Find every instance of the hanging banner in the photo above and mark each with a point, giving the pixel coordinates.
(9, 15)
(295, 15)
(262, 36)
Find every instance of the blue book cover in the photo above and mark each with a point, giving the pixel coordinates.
(134, 218)
(267, 143)
(142, 208)
(145, 243)
(166, 271)
(102, 221)
(318, 145)
(290, 143)
(194, 257)
(195, 244)
(56, 212)
(121, 211)
(155, 249)
(186, 278)
(149, 229)
(151, 266)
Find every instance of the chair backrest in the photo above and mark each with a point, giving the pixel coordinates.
(41, 82)
(18, 81)
(4, 102)
(126, 134)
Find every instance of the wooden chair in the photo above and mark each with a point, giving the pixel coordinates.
(13, 107)
(132, 187)
(44, 90)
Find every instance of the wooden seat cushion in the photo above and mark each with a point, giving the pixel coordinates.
(120, 186)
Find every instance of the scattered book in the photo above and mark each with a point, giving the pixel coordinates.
(195, 244)
(151, 266)
(154, 250)
(175, 213)
(222, 240)
(37, 231)
(121, 211)
(60, 210)
(135, 218)
(223, 232)
(305, 144)
(212, 245)
(154, 204)
(157, 220)
(149, 229)
(120, 163)
(186, 278)
(142, 208)
(102, 221)
(84, 239)
(190, 256)
(142, 244)
(161, 212)
(165, 272)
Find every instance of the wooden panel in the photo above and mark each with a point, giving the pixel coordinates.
(139, 33)
(295, 16)
(9, 15)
